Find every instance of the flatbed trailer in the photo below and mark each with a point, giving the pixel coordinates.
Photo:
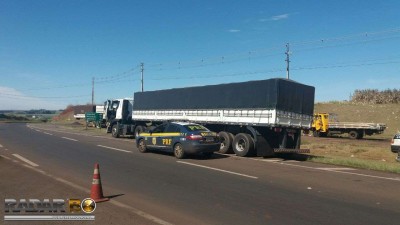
(252, 118)
(356, 130)
(325, 124)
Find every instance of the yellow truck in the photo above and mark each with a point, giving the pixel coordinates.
(325, 124)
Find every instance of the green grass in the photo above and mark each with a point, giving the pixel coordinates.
(358, 163)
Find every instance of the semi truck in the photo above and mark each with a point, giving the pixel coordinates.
(260, 118)
(325, 124)
(118, 113)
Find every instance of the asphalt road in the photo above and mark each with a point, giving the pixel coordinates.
(221, 190)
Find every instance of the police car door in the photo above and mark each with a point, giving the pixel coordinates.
(172, 132)
(154, 141)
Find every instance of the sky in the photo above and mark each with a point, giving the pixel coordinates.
(51, 50)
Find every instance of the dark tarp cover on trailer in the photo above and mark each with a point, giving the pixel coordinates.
(280, 94)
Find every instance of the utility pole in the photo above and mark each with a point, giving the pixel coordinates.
(287, 60)
(142, 69)
(92, 90)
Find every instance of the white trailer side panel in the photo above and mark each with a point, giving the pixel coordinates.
(254, 117)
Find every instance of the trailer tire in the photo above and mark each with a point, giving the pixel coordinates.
(226, 142)
(115, 131)
(353, 134)
(243, 145)
(138, 129)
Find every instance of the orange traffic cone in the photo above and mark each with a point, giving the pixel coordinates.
(97, 191)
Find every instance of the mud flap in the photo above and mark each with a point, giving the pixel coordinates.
(263, 148)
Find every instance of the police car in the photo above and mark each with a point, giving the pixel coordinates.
(180, 138)
(395, 146)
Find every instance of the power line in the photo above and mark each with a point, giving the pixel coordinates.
(242, 56)
(340, 65)
(231, 58)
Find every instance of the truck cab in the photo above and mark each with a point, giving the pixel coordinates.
(320, 124)
(117, 111)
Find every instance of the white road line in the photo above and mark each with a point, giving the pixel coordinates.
(69, 139)
(86, 135)
(112, 201)
(116, 149)
(141, 213)
(212, 168)
(339, 168)
(1, 146)
(25, 160)
(5, 157)
(344, 172)
(47, 133)
(316, 168)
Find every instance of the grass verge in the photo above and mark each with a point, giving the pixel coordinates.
(357, 163)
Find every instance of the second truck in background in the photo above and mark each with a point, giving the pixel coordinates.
(325, 124)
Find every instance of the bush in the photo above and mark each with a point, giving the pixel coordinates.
(375, 96)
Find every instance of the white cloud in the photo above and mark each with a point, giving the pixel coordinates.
(276, 18)
(280, 17)
(12, 99)
(233, 31)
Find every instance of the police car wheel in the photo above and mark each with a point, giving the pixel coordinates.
(178, 151)
(142, 146)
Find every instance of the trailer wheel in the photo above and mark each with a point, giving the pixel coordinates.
(115, 131)
(139, 129)
(243, 145)
(142, 146)
(226, 142)
(179, 153)
(353, 134)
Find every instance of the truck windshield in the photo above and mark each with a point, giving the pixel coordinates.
(195, 127)
(114, 105)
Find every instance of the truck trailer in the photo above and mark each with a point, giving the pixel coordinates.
(326, 124)
(260, 118)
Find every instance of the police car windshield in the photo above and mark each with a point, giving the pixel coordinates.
(195, 127)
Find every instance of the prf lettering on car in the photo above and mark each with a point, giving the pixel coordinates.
(166, 141)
